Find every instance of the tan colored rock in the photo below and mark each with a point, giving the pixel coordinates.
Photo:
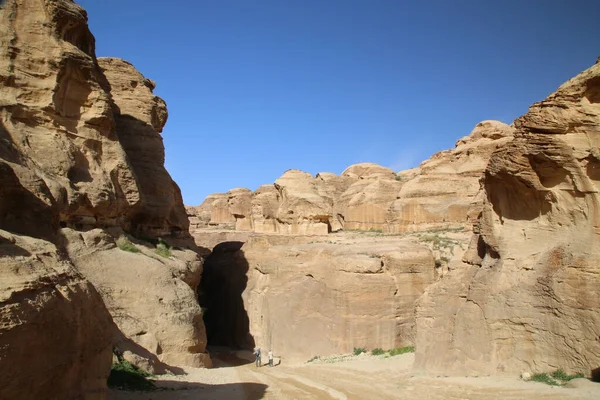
(302, 209)
(525, 298)
(265, 205)
(440, 192)
(367, 196)
(365, 204)
(153, 300)
(368, 171)
(140, 116)
(231, 210)
(55, 332)
(214, 211)
(82, 152)
(307, 296)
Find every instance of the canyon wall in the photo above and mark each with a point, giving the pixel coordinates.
(81, 168)
(308, 298)
(318, 265)
(526, 295)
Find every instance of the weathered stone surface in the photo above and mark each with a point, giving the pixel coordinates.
(265, 205)
(153, 300)
(302, 209)
(232, 210)
(367, 196)
(439, 193)
(139, 117)
(526, 296)
(81, 152)
(309, 296)
(55, 332)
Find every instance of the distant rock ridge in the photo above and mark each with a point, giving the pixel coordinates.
(365, 196)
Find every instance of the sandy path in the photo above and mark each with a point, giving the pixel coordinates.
(361, 378)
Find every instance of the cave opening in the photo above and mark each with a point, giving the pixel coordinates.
(220, 295)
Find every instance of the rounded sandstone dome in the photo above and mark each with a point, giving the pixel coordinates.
(368, 170)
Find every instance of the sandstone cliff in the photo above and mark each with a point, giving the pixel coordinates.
(304, 296)
(81, 164)
(55, 332)
(436, 195)
(329, 263)
(526, 296)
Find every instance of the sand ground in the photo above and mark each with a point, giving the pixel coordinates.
(366, 377)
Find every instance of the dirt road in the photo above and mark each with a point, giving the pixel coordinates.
(366, 377)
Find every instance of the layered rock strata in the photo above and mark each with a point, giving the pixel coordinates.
(436, 195)
(526, 296)
(81, 164)
(56, 334)
(304, 296)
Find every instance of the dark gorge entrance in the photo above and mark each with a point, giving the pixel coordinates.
(220, 296)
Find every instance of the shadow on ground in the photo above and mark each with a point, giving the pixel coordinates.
(224, 357)
(176, 390)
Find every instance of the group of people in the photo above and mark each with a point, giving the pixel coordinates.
(257, 353)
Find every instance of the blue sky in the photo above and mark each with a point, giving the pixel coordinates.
(256, 87)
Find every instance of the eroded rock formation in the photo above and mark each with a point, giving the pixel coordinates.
(304, 296)
(55, 332)
(526, 296)
(81, 163)
(365, 196)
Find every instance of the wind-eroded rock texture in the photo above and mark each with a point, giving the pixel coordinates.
(80, 152)
(526, 297)
(365, 196)
(305, 296)
(55, 332)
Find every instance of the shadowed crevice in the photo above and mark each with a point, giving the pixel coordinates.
(220, 296)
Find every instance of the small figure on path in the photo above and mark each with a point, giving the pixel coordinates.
(270, 358)
(257, 354)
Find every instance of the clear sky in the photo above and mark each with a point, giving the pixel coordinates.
(256, 87)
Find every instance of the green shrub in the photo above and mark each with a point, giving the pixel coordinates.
(163, 249)
(315, 358)
(124, 375)
(544, 378)
(124, 244)
(359, 350)
(402, 350)
(561, 375)
(377, 352)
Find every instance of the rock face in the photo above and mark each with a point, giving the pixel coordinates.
(305, 296)
(436, 195)
(55, 332)
(305, 283)
(526, 296)
(139, 117)
(440, 192)
(80, 152)
(153, 300)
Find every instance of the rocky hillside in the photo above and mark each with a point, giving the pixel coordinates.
(526, 296)
(321, 265)
(436, 195)
(336, 262)
(81, 170)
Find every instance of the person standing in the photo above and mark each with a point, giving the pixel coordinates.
(257, 354)
(270, 358)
